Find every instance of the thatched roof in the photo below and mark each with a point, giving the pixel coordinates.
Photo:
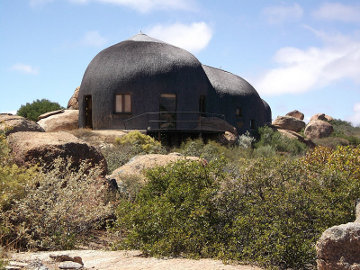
(137, 58)
(225, 82)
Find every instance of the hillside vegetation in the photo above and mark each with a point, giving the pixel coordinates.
(265, 200)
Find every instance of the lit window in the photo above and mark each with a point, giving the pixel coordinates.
(123, 103)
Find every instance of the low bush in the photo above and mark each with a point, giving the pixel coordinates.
(265, 210)
(208, 151)
(144, 142)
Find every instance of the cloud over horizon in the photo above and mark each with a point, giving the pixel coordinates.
(24, 68)
(338, 12)
(300, 71)
(193, 37)
(283, 13)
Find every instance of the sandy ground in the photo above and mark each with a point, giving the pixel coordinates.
(126, 260)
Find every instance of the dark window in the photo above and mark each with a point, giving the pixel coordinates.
(239, 112)
(202, 104)
(88, 111)
(252, 124)
(123, 103)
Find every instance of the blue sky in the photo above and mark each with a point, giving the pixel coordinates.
(301, 55)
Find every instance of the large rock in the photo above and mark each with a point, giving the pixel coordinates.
(73, 103)
(339, 248)
(321, 116)
(30, 148)
(137, 165)
(289, 123)
(47, 114)
(227, 138)
(317, 129)
(63, 120)
(296, 114)
(13, 123)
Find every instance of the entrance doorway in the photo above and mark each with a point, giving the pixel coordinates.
(88, 111)
(167, 110)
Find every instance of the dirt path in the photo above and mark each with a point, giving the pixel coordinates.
(119, 260)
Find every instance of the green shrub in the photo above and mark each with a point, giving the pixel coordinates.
(208, 151)
(119, 155)
(146, 143)
(33, 110)
(264, 151)
(173, 213)
(267, 210)
(280, 143)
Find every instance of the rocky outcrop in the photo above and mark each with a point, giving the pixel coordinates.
(73, 103)
(339, 246)
(31, 148)
(215, 123)
(138, 164)
(321, 116)
(296, 114)
(63, 120)
(296, 136)
(288, 123)
(227, 138)
(317, 129)
(47, 114)
(13, 123)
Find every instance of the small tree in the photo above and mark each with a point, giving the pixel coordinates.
(33, 110)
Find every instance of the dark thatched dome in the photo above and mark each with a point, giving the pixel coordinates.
(163, 87)
(225, 82)
(145, 68)
(237, 100)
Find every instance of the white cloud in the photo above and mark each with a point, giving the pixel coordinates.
(284, 13)
(93, 39)
(147, 5)
(338, 12)
(193, 37)
(300, 71)
(355, 118)
(23, 68)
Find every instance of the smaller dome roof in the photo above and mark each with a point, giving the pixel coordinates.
(225, 82)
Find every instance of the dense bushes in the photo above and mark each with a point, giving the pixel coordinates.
(267, 210)
(270, 138)
(64, 204)
(33, 110)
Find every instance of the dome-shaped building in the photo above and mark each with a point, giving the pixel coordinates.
(143, 83)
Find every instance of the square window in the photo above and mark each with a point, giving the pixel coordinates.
(123, 103)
